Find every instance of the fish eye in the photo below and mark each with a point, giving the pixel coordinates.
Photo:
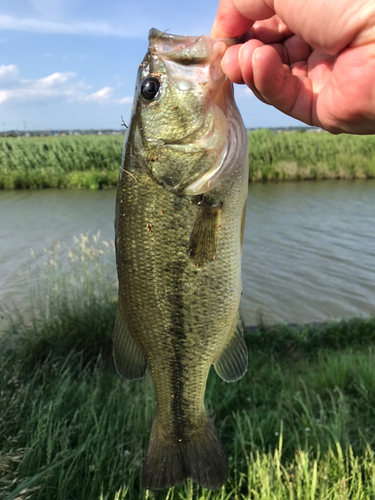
(149, 88)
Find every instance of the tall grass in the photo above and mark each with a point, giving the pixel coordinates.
(299, 425)
(72, 304)
(73, 161)
(303, 155)
(93, 161)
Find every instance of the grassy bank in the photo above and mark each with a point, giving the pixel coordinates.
(299, 425)
(310, 156)
(93, 161)
(73, 162)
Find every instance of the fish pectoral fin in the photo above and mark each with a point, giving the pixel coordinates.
(233, 361)
(129, 361)
(204, 238)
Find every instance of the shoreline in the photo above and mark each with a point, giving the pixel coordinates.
(97, 180)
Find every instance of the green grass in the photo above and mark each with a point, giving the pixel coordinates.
(299, 425)
(311, 156)
(93, 161)
(72, 161)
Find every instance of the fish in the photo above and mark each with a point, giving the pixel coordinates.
(179, 223)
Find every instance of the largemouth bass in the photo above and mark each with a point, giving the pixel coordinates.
(179, 224)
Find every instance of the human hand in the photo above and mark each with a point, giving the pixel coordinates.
(312, 59)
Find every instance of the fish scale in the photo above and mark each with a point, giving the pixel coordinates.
(178, 259)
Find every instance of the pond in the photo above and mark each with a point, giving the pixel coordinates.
(309, 247)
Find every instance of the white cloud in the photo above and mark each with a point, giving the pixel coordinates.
(101, 95)
(126, 100)
(5, 71)
(65, 28)
(54, 80)
(57, 86)
(54, 85)
(8, 73)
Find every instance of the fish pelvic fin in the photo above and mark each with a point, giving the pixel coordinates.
(169, 462)
(233, 361)
(129, 361)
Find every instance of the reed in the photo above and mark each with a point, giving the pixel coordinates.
(299, 425)
(72, 161)
(93, 161)
(309, 156)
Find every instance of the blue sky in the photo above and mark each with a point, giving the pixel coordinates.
(72, 63)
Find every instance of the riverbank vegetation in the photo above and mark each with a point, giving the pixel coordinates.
(90, 161)
(93, 161)
(299, 425)
(310, 156)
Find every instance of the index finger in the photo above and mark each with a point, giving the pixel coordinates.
(236, 17)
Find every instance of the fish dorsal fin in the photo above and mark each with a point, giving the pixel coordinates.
(129, 361)
(204, 238)
(233, 361)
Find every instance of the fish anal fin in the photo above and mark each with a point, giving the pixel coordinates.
(129, 361)
(169, 462)
(204, 238)
(233, 361)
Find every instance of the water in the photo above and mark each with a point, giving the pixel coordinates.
(309, 247)
(309, 251)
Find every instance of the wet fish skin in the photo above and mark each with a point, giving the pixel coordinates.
(179, 223)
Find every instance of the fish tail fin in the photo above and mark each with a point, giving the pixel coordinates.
(169, 461)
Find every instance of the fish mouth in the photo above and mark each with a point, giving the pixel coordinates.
(162, 41)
